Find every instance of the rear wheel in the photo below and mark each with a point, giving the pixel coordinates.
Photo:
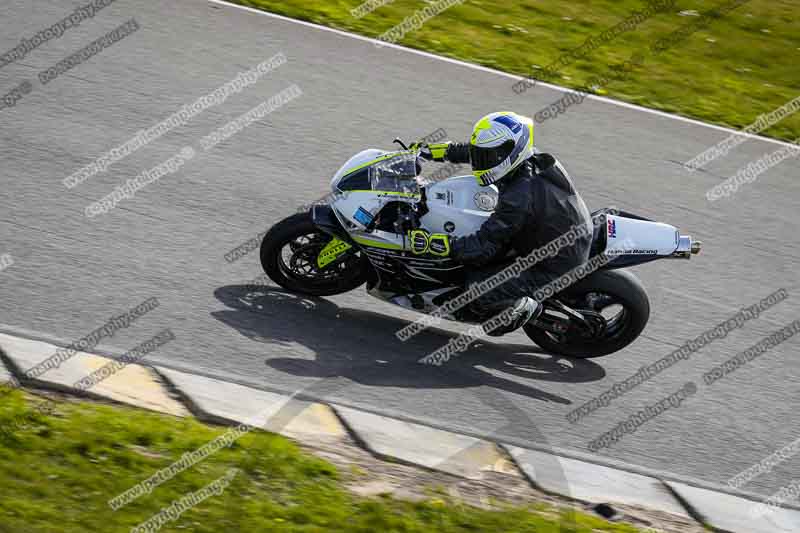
(614, 309)
(289, 257)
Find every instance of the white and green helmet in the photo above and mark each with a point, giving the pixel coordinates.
(500, 142)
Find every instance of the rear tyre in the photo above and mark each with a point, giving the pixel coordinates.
(289, 257)
(617, 295)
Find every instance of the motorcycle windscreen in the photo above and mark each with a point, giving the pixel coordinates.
(397, 175)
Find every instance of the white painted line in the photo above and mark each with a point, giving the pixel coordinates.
(499, 73)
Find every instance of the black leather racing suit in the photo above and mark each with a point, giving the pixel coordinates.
(537, 204)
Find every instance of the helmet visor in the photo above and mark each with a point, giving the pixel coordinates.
(486, 158)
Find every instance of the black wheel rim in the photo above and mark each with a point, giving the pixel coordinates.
(607, 314)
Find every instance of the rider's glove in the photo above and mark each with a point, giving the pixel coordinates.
(434, 151)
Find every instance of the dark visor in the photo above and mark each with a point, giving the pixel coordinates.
(486, 158)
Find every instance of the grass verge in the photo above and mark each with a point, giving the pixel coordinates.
(739, 66)
(58, 472)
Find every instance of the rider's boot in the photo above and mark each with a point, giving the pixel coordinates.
(513, 313)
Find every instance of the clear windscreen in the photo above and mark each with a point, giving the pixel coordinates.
(397, 174)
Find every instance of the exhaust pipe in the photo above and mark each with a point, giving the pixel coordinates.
(687, 247)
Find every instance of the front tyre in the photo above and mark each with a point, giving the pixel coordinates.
(613, 302)
(289, 257)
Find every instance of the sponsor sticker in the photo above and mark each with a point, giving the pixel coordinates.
(363, 216)
(485, 201)
(612, 228)
(634, 251)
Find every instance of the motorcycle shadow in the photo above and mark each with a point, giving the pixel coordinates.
(361, 346)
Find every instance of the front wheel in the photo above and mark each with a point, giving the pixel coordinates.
(615, 310)
(289, 257)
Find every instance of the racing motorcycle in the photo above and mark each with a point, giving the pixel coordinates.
(361, 235)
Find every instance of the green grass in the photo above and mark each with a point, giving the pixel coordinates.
(58, 473)
(742, 65)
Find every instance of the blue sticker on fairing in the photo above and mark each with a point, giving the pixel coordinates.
(363, 216)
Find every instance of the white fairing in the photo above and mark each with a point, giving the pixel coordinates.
(628, 236)
(355, 209)
(360, 158)
(458, 206)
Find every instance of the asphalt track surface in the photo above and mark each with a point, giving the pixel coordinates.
(72, 273)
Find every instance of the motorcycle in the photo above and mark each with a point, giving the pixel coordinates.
(361, 236)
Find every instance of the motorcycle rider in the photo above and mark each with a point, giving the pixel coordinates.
(537, 203)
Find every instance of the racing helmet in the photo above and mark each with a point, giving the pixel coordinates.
(500, 142)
